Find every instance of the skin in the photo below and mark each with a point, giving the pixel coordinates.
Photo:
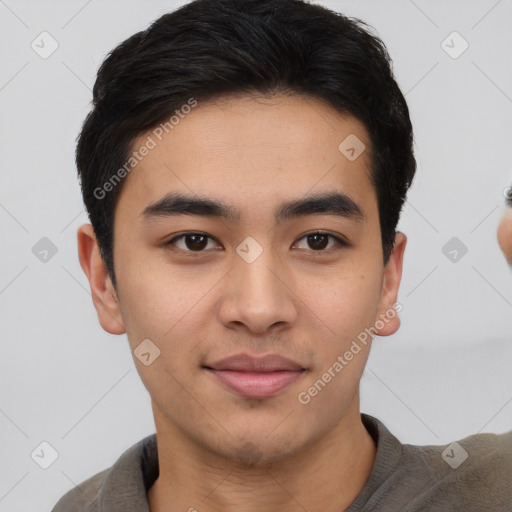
(303, 304)
(504, 234)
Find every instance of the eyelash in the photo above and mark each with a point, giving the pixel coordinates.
(338, 241)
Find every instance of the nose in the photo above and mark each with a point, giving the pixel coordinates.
(258, 295)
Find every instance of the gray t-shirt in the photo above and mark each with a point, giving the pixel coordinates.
(471, 475)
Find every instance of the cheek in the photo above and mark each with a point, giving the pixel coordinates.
(155, 298)
(344, 306)
(169, 316)
(505, 234)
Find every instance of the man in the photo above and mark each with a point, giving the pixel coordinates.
(244, 167)
(504, 232)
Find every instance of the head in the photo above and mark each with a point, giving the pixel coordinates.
(244, 167)
(504, 232)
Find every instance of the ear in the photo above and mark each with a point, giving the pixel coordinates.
(388, 321)
(104, 296)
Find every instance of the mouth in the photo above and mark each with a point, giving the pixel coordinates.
(252, 377)
(256, 384)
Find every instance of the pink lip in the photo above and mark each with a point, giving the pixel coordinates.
(256, 384)
(247, 363)
(256, 377)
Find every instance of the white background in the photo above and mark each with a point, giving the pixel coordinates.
(445, 375)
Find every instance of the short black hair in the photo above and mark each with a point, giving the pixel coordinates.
(207, 49)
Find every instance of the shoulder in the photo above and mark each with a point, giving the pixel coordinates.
(83, 497)
(472, 474)
(477, 453)
(124, 483)
(475, 472)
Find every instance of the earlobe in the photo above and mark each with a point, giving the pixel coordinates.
(388, 321)
(104, 296)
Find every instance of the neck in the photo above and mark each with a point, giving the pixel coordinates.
(326, 475)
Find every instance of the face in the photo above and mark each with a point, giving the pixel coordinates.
(505, 234)
(202, 287)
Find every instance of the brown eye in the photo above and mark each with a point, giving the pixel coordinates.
(196, 242)
(190, 242)
(319, 241)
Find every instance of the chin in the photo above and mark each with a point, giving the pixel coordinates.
(264, 455)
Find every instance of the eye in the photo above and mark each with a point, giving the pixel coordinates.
(319, 241)
(198, 242)
(191, 242)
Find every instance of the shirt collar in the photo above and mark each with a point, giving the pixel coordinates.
(126, 485)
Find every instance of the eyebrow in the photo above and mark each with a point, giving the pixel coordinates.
(331, 203)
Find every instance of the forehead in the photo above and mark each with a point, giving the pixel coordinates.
(251, 152)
